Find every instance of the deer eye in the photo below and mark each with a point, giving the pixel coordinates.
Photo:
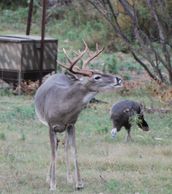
(97, 77)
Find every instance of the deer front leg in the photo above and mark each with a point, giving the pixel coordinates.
(68, 169)
(52, 172)
(72, 140)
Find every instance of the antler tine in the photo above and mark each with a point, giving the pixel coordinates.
(84, 71)
(77, 70)
(92, 56)
(76, 59)
(61, 64)
(67, 56)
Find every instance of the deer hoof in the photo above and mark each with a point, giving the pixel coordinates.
(69, 179)
(53, 188)
(79, 185)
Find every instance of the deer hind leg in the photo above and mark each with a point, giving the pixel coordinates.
(51, 178)
(72, 141)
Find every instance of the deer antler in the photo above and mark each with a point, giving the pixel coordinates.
(91, 56)
(77, 58)
(84, 71)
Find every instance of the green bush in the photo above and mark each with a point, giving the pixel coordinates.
(110, 64)
(2, 136)
(13, 19)
(126, 76)
(13, 3)
(102, 130)
(5, 92)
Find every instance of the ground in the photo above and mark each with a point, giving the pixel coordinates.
(107, 165)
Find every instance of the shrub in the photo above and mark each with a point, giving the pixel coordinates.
(2, 136)
(110, 64)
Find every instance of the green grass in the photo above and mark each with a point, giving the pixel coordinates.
(13, 20)
(107, 165)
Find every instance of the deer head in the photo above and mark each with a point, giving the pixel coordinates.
(93, 80)
(60, 99)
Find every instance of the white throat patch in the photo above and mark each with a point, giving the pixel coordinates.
(88, 97)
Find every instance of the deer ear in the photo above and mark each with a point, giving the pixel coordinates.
(71, 75)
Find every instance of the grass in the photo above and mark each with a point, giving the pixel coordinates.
(110, 166)
(107, 165)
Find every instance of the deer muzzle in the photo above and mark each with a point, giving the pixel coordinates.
(117, 82)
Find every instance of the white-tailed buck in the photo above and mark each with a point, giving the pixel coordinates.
(60, 99)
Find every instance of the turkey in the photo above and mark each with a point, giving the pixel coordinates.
(121, 115)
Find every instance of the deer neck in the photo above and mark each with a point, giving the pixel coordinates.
(88, 97)
(82, 93)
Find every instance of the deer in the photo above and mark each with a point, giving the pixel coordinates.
(59, 101)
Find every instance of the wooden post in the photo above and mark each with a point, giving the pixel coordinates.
(44, 3)
(29, 18)
(19, 82)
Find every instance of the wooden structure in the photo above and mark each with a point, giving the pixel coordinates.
(20, 57)
(28, 57)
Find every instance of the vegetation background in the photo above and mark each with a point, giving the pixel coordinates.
(107, 165)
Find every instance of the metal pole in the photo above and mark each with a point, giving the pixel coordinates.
(29, 18)
(44, 3)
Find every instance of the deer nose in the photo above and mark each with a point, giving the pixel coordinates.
(118, 81)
